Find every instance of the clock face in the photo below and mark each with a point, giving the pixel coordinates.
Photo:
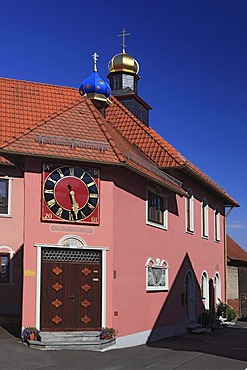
(70, 194)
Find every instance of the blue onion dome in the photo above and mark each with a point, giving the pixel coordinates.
(94, 87)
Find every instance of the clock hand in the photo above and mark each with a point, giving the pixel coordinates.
(75, 205)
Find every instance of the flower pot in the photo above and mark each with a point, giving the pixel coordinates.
(32, 336)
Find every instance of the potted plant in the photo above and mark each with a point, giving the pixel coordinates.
(30, 333)
(108, 333)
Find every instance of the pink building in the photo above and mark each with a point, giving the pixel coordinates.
(103, 223)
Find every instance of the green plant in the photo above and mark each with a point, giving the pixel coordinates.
(224, 310)
(108, 333)
(230, 314)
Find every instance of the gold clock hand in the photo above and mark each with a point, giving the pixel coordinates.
(75, 205)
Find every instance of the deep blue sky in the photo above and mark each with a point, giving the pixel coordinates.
(193, 69)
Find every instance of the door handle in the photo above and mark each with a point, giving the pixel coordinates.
(72, 298)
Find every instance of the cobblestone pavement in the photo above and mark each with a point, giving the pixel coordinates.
(223, 348)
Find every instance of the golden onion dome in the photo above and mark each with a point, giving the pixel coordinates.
(123, 63)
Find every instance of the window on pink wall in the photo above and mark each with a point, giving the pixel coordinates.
(157, 212)
(4, 267)
(205, 218)
(217, 224)
(189, 207)
(4, 196)
(156, 274)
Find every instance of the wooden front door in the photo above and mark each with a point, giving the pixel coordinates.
(70, 289)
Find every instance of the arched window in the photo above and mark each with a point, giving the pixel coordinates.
(217, 283)
(204, 289)
(156, 274)
(189, 208)
(6, 267)
(217, 224)
(72, 241)
(205, 218)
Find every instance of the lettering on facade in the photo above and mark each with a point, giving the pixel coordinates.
(71, 229)
(71, 142)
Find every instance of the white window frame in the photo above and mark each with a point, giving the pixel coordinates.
(204, 218)
(217, 224)
(9, 180)
(163, 283)
(205, 289)
(4, 249)
(189, 212)
(217, 284)
(163, 225)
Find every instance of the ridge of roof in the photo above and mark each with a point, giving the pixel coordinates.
(234, 251)
(99, 119)
(178, 161)
(175, 154)
(127, 152)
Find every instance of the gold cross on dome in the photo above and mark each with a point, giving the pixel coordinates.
(95, 58)
(123, 34)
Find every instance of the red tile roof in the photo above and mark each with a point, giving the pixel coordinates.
(234, 251)
(23, 104)
(156, 148)
(28, 110)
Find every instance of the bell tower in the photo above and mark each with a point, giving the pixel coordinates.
(123, 76)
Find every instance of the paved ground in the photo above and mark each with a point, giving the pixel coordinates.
(222, 349)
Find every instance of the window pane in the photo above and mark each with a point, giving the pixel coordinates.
(4, 268)
(3, 196)
(155, 208)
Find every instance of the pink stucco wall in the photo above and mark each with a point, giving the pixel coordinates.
(11, 227)
(123, 229)
(135, 242)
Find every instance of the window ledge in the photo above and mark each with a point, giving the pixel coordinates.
(157, 225)
(191, 232)
(157, 289)
(5, 216)
(205, 237)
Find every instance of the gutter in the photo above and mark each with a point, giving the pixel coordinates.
(225, 248)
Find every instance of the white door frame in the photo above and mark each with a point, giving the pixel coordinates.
(38, 278)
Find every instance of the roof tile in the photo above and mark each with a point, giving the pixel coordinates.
(234, 251)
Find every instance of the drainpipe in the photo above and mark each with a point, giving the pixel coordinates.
(225, 248)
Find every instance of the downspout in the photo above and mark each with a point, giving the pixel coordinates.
(225, 248)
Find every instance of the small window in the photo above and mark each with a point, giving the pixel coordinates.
(217, 283)
(189, 207)
(157, 212)
(156, 275)
(205, 218)
(4, 197)
(4, 268)
(204, 289)
(217, 224)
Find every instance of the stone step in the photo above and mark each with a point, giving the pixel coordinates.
(86, 340)
(99, 345)
(199, 331)
(78, 336)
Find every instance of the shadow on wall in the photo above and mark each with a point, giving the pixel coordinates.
(183, 305)
(11, 296)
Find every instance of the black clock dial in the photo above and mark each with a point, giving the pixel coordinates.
(71, 193)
